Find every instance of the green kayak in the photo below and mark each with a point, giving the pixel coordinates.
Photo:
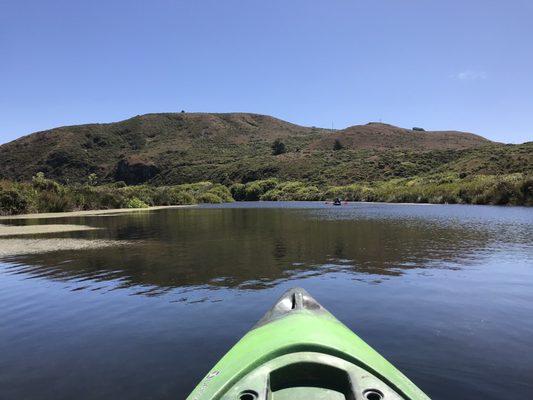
(299, 351)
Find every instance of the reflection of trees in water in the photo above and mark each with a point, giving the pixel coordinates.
(280, 250)
(249, 247)
(339, 250)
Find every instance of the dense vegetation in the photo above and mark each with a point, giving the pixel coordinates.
(172, 149)
(46, 195)
(158, 159)
(449, 188)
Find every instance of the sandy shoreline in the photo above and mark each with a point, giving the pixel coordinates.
(11, 245)
(17, 247)
(16, 230)
(14, 246)
(88, 213)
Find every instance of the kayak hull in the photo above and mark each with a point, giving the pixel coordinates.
(300, 350)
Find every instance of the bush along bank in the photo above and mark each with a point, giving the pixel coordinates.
(451, 188)
(46, 195)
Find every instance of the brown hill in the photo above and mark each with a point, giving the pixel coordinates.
(185, 147)
(379, 136)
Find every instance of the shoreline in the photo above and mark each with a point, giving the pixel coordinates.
(89, 213)
(21, 230)
(115, 211)
(11, 247)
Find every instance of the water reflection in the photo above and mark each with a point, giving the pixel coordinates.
(453, 284)
(259, 247)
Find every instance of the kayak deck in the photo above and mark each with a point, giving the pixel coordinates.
(298, 350)
(310, 375)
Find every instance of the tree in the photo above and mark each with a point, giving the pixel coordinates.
(337, 145)
(38, 178)
(278, 147)
(92, 179)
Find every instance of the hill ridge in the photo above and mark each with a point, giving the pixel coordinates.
(173, 148)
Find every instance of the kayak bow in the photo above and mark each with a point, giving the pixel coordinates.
(299, 351)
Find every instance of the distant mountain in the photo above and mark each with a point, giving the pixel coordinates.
(173, 148)
(379, 136)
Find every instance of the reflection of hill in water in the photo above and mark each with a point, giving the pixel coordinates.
(249, 248)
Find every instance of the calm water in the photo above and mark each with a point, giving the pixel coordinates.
(444, 292)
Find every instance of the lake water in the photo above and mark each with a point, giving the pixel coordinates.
(444, 292)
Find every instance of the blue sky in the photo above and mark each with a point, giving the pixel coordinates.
(454, 64)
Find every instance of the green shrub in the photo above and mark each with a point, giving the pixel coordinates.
(196, 188)
(183, 198)
(221, 191)
(51, 201)
(272, 195)
(348, 193)
(292, 191)
(92, 179)
(119, 184)
(174, 195)
(278, 147)
(165, 196)
(135, 202)
(503, 192)
(146, 194)
(254, 190)
(309, 193)
(98, 197)
(238, 191)
(110, 200)
(41, 183)
(525, 190)
(13, 202)
(209, 198)
(369, 194)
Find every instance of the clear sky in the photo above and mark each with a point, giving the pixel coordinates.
(438, 64)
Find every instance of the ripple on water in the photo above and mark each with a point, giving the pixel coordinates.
(444, 292)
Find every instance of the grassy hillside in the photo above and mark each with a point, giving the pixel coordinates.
(178, 148)
(189, 158)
